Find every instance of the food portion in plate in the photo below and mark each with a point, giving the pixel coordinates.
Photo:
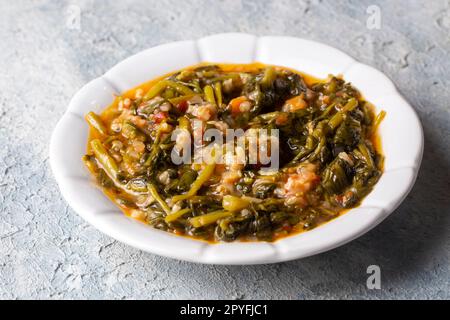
(303, 152)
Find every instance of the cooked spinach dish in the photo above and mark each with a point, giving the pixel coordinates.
(143, 151)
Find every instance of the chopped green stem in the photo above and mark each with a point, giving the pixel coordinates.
(177, 100)
(218, 93)
(96, 123)
(209, 94)
(269, 77)
(328, 109)
(176, 215)
(204, 176)
(303, 153)
(162, 85)
(233, 203)
(154, 151)
(379, 118)
(209, 218)
(154, 193)
(106, 161)
(268, 117)
(337, 119)
(318, 149)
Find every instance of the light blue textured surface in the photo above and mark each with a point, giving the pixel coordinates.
(47, 251)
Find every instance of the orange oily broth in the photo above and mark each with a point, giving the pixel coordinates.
(110, 112)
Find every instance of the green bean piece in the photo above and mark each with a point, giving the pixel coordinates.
(96, 122)
(218, 93)
(209, 218)
(176, 215)
(209, 94)
(204, 176)
(163, 84)
(105, 160)
(154, 193)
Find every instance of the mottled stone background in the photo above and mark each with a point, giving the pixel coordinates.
(47, 251)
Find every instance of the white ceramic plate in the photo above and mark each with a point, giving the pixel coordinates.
(401, 132)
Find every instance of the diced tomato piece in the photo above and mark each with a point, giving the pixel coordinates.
(282, 119)
(183, 106)
(295, 103)
(160, 116)
(339, 199)
(235, 104)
